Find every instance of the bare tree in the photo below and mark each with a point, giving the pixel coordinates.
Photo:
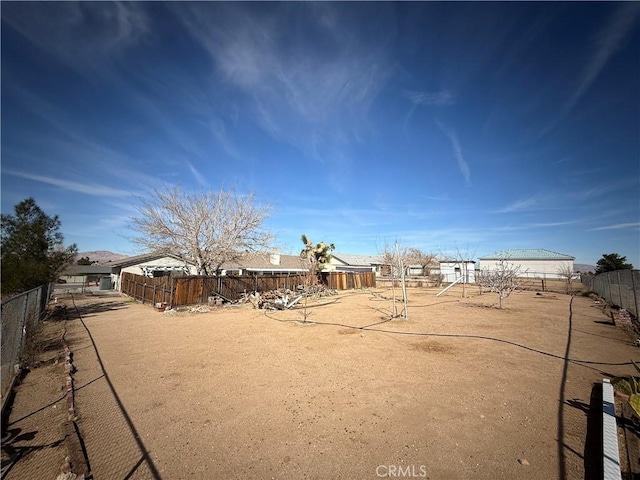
(206, 229)
(503, 279)
(566, 272)
(396, 258)
(419, 257)
(391, 257)
(462, 258)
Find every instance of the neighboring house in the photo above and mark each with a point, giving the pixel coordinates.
(345, 262)
(150, 265)
(87, 274)
(265, 264)
(419, 270)
(538, 262)
(452, 270)
(414, 270)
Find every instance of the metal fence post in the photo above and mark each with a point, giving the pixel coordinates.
(635, 292)
(23, 327)
(619, 289)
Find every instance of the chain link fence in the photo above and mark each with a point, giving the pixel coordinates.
(620, 288)
(20, 315)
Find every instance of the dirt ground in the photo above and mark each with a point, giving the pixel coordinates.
(460, 390)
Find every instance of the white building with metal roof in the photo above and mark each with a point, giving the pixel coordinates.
(346, 262)
(533, 262)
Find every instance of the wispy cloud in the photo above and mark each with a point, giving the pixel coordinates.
(519, 205)
(434, 99)
(440, 198)
(219, 130)
(441, 98)
(83, 152)
(614, 32)
(457, 151)
(603, 189)
(299, 92)
(202, 181)
(85, 188)
(535, 226)
(584, 172)
(83, 38)
(619, 226)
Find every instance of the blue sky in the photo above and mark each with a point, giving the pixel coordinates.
(476, 126)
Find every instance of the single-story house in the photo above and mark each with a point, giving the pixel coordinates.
(150, 265)
(84, 274)
(346, 262)
(414, 270)
(536, 262)
(452, 270)
(265, 264)
(160, 264)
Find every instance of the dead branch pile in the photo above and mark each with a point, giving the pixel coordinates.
(284, 298)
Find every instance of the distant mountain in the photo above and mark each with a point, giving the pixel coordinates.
(583, 267)
(101, 256)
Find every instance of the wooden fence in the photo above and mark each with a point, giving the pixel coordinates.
(178, 291)
(145, 289)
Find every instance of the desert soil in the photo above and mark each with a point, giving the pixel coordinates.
(460, 390)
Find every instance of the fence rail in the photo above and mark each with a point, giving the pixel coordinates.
(620, 288)
(20, 315)
(179, 291)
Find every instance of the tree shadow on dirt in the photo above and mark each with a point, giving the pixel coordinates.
(597, 334)
(92, 309)
(145, 457)
(610, 323)
(37, 410)
(12, 452)
(562, 460)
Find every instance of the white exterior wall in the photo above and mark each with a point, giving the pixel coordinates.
(533, 268)
(138, 269)
(449, 274)
(333, 263)
(414, 270)
(336, 265)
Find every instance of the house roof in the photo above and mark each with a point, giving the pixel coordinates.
(77, 270)
(350, 259)
(527, 254)
(136, 259)
(263, 261)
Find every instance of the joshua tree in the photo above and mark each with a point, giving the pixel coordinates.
(315, 258)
